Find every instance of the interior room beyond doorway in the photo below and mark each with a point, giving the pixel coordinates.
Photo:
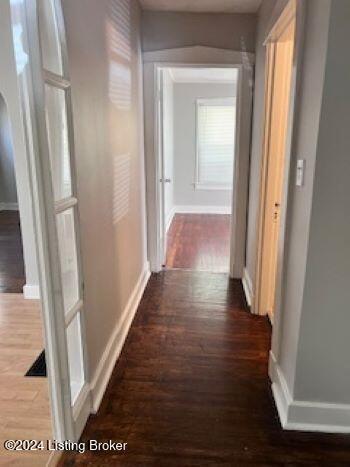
(12, 275)
(198, 126)
(199, 242)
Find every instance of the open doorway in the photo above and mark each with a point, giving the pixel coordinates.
(280, 47)
(12, 274)
(198, 109)
(24, 395)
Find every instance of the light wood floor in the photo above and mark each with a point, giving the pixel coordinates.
(24, 403)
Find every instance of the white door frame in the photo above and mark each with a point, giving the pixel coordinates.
(161, 232)
(200, 57)
(287, 16)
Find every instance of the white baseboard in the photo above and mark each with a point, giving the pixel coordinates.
(8, 206)
(82, 410)
(306, 415)
(115, 344)
(31, 292)
(247, 286)
(196, 209)
(169, 218)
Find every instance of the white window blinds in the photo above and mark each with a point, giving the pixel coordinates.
(216, 122)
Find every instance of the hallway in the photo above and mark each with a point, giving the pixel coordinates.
(191, 386)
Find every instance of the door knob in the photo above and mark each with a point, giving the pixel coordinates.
(166, 180)
(277, 205)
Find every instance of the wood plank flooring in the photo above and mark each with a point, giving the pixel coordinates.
(12, 277)
(24, 402)
(199, 242)
(191, 386)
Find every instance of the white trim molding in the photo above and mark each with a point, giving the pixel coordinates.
(306, 415)
(198, 54)
(205, 186)
(115, 344)
(169, 218)
(191, 209)
(31, 292)
(82, 410)
(247, 286)
(197, 209)
(8, 206)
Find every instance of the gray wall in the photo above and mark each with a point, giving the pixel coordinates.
(310, 337)
(185, 96)
(164, 30)
(8, 191)
(285, 341)
(323, 364)
(108, 123)
(300, 198)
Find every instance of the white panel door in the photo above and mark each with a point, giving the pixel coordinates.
(53, 102)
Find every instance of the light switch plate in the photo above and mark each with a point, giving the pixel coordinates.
(300, 172)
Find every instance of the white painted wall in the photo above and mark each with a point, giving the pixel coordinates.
(168, 145)
(106, 73)
(185, 125)
(8, 191)
(10, 93)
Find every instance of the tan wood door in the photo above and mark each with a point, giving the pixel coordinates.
(281, 63)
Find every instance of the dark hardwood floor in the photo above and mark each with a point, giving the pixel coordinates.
(191, 386)
(199, 242)
(12, 276)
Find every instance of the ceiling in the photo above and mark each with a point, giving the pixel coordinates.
(203, 6)
(203, 75)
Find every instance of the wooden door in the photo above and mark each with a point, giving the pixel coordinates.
(279, 79)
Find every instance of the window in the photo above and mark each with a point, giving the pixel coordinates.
(216, 123)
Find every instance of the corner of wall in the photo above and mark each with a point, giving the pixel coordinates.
(305, 415)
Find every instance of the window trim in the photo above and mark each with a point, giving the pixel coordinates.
(198, 185)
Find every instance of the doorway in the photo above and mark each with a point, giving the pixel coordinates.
(12, 273)
(280, 47)
(197, 134)
(24, 395)
(196, 57)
